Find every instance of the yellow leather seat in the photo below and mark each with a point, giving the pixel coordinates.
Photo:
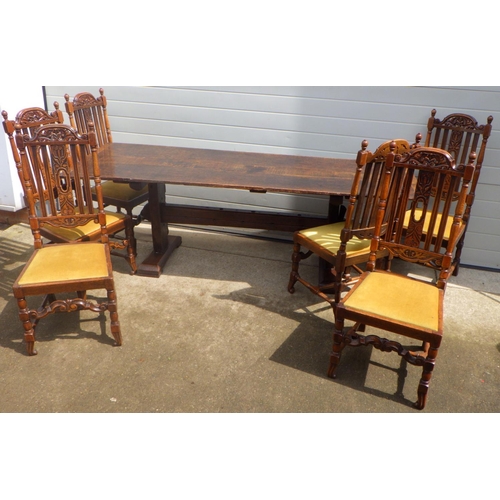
(83, 232)
(418, 216)
(121, 191)
(62, 262)
(393, 296)
(328, 236)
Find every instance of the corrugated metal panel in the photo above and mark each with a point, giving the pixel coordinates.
(313, 121)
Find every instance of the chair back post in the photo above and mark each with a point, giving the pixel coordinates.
(418, 140)
(345, 235)
(478, 164)
(27, 175)
(97, 181)
(105, 115)
(382, 205)
(431, 123)
(9, 128)
(462, 204)
(361, 160)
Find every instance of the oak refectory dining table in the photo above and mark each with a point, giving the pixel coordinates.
(157, 166)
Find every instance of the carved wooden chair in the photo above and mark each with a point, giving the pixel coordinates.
(353, 235)
(58, 156)
(394, 302)
(28, 121)
(460, 135)
(84, 108)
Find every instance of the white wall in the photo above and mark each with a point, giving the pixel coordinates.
(13, 98)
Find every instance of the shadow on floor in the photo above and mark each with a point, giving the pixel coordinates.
(308, 349)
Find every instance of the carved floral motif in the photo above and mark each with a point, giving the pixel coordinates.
(86, 99)
(433, 159)
(458, 120)
(56, 134)
(34, 116)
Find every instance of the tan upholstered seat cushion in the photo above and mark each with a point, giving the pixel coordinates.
(66, 262)
(75, 233)
(121, 191)
(418, 215)
(328, 236)
(398, 298)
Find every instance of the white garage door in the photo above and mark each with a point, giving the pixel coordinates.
(314, 121)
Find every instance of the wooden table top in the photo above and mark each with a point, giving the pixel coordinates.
(226, 169)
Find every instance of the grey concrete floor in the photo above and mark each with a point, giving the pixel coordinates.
(218, 332)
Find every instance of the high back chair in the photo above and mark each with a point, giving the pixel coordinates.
(56, 153)
(395, 302)
(84, 108)
(354, 234)
(28, 121)
(460, 135)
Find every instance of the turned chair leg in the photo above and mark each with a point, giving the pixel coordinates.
(29, 330)
(132, 262)
(423, 387)
(115, 323)
(458, 253)
(337, 348)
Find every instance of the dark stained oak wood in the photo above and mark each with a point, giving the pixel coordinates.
(255, 172)
(227, 169)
